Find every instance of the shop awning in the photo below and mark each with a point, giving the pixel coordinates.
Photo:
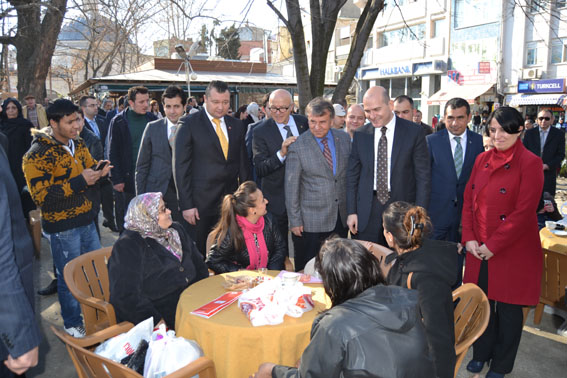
(468, 92)
(535, 99)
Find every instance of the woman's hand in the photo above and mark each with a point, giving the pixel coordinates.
(264, 371)
(484, 252)
(473, 248)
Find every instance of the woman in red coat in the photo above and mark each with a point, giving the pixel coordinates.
(500, 232)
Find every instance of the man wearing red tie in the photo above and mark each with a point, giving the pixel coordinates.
(209, 161)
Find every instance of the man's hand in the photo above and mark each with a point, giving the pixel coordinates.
(352, 223)
(286, 143)
(119, 187)
(297, 231)
(27, 360)
(546, 167)
(264, 371)
(191, 216)
(91, 176)
(106, 169)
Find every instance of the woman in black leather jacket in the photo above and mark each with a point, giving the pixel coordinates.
(428, 266)
(371, 330)
(246, 236)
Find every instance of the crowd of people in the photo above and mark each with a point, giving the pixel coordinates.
(193, 189)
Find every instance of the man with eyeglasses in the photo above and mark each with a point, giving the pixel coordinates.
(549, 144)
(270, 143)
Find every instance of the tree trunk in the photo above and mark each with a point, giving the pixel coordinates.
(323, 20)
(357, 46)
(35, 43)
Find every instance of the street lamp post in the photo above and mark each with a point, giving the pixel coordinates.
(189, 73)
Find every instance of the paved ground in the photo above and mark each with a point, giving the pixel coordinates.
(542, 353)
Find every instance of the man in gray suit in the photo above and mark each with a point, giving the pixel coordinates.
(315, 182)
(154, 172)
(19, 333)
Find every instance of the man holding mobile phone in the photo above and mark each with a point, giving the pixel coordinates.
(59, 172)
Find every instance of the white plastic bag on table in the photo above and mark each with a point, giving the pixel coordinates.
(267, 303)
(167, 353)
(123, 345)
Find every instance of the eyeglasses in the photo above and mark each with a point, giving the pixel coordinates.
(542, 118)
(282, 109)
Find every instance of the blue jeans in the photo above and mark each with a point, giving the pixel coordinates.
(65, 246)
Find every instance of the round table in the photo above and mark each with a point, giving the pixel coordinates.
(229, 339)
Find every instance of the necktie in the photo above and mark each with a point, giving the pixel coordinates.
(222, 137)
(172, 131)
(382, 168)
(458, 158)
(94, 126)
(327, 152)
(288, 129)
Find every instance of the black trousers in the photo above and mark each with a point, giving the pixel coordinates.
(499, 343)
(374, 231)
(453, 234)
(107, 201)
(283, 226)
(308, 244)
(121, 202)
(201, 230)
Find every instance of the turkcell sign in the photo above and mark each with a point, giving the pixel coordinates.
(542, 86)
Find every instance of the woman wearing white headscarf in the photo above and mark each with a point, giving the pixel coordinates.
(152, 262)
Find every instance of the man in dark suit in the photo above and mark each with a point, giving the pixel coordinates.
(452, 152)
(270, 146)
(250, 137)
(209, 161)
(124, 138)
(315, 182)
(97, 124)
(553, 151)
(154, 172)
(404, 108)
(19, 330)
(388, 162)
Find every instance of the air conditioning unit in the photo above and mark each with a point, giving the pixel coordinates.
(531, 73)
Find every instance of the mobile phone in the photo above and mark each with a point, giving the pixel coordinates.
(101, 165)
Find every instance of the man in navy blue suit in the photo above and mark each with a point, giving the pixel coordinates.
(452, 152)
(388, 162)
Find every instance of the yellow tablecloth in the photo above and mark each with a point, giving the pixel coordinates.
(553, 242)
(236, 347)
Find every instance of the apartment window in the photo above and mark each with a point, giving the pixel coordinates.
(398, 36)
(560, 4)
(438, 28)
(537, 6)
(558, 52)
(531, 58)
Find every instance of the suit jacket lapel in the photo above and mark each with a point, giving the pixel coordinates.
(338, 151)
(469, 159)
(301, 128)
(396, 147)
(163, 136)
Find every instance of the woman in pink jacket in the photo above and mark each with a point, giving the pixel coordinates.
(501, 235)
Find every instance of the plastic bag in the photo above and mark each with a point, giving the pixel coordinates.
(167, 353)
(125, 344)
(268, 302)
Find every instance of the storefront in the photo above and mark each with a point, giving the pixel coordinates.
(416, 80)
(534, 95)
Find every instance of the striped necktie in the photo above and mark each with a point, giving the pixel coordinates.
(327, 152)
(458, 158)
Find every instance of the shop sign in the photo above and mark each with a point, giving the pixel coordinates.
(396, 70)
(542, 86)
(483, 67)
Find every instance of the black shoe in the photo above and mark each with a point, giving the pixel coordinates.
(110, 225)
(50, 289)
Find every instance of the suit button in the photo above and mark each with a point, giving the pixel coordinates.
(181, 269)
(503, 190)
(503, 217)
(473, 186)
(336, 200)
(506, 166)
(486, 166)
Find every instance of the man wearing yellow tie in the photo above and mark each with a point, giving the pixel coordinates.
(209, 161)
